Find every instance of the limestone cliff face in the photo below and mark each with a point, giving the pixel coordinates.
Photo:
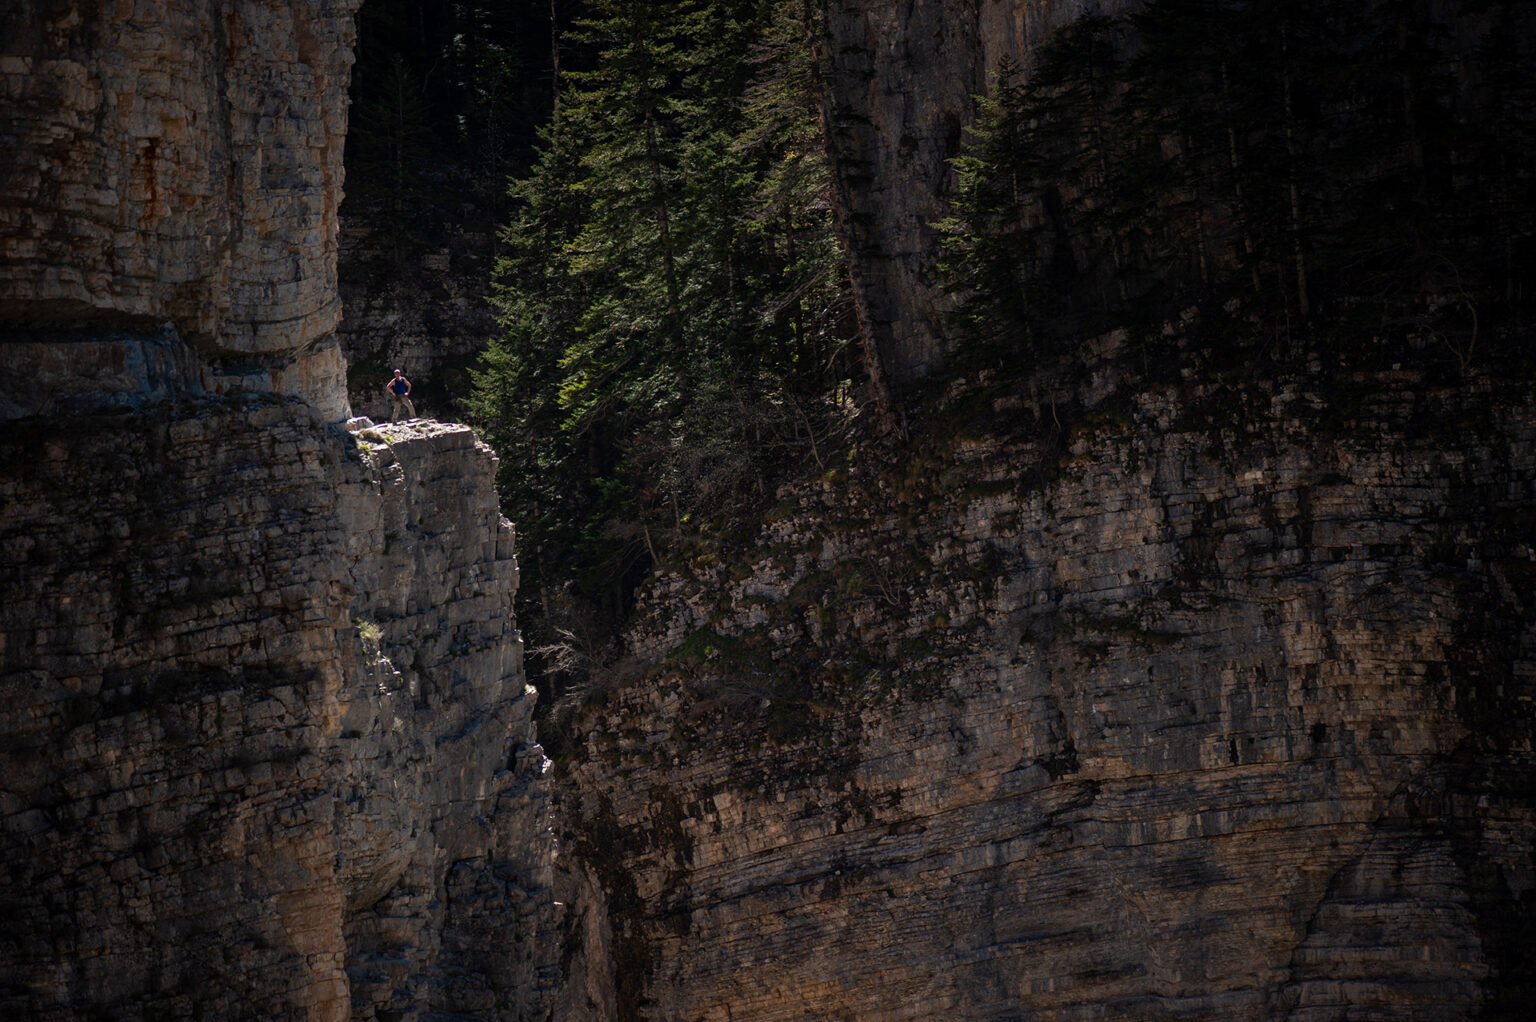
(266, 749)
(1112, 699)
(177, 163)
(899, 78)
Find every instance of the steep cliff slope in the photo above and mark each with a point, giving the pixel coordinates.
(1116, 696)
(168, 165)
(268, 749)
(265, 745)
(1183, 672)
(1113, 697)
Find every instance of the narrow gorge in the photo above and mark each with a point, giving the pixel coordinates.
(1184, 670)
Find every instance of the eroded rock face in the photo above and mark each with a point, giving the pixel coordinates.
(268, 750)
(899, 85)
(176, 163)
(1118, 700)
(265, 742)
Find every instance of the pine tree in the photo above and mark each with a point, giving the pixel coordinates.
(660, 342)
(790, 216)
(392, 143)
(1074, 96)
(1044, 220)
(991, 247)
(1496, 200)
(1191, 87)
(514, 401)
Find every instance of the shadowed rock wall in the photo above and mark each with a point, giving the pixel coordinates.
(1112, 700)
(899, 78)
(268, 751)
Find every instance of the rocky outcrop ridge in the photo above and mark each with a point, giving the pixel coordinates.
(268, 747)
(1119, 699)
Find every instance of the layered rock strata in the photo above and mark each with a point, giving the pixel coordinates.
(176, 163)
(1123, 699)
(268, 747)
(265, 746)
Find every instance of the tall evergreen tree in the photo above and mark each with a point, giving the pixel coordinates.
(1497, 159)
(663, 291)
(392, 139)
(790, 214)
(991, 250)
(1192, 88)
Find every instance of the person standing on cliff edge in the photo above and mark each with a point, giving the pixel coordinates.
(399, 391)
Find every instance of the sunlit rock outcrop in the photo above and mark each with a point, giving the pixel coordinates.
(172, 163)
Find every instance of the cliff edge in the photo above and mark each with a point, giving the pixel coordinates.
(266, 748)
(269, 752)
